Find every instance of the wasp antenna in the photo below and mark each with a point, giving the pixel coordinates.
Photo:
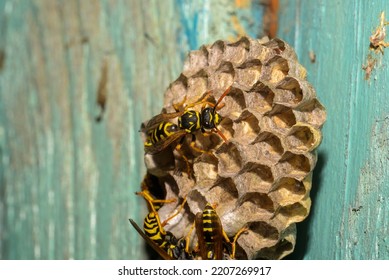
(221, 135)
(222, 96)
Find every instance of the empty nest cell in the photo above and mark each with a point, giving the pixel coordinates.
(196, 61)
(269, 147)
(289, 92)
(303, 138)
(260, 98)
(254, 178)
(282, 117)
(230, 161)
(312, 113)
(249, 73)
(246, 127)
(236, 52)
(276, 69)
(236, 103)
(294, 165)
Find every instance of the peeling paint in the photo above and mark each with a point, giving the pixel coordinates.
(376, 47)
(377, 39)
(372, 188)
(369, 66)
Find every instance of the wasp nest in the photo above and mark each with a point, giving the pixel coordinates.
(261, 177)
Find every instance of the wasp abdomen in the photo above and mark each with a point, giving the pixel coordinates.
(162, 131)
(153, 230)
(210, 223)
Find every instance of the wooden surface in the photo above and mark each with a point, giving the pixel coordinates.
(349, 217)
(67, 181)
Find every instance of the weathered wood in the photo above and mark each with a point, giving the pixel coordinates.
(349, 216)
(67, 181)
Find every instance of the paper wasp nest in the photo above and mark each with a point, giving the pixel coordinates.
(262, 176)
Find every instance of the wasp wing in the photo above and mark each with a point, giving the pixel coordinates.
(218, 239)
(200, 236)
(156, 120)
(165, 142)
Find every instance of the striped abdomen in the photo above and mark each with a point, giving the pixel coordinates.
(212, 231)
(162, 131)
(153, 229)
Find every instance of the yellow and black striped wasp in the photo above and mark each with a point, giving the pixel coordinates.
(163, 242)
(161, 132)
(173, 249)
(213, 241)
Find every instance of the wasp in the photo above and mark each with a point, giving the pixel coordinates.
(212, 238)
(162, 133)
(163, 242)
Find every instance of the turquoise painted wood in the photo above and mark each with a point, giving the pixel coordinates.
(349, 217)
(67, 182)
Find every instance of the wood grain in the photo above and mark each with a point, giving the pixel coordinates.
(349, 217)
(67, 182)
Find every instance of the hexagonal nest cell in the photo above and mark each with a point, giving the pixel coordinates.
(261, 176)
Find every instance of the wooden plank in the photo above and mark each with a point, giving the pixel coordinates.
(349, 218)
(66, 180)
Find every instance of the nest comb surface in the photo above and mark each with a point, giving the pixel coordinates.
(272, 120)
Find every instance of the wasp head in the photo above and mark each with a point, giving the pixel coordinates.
(209, 118)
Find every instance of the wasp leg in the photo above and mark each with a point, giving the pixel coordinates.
(215, 130)
(148, 197)
(187, 237)
(178, 149)
(233, 243)
(164, 223)
(201, 101)
(153, 204)
(204, 101)
(210, 104)
(199, 150)
(177, 106)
